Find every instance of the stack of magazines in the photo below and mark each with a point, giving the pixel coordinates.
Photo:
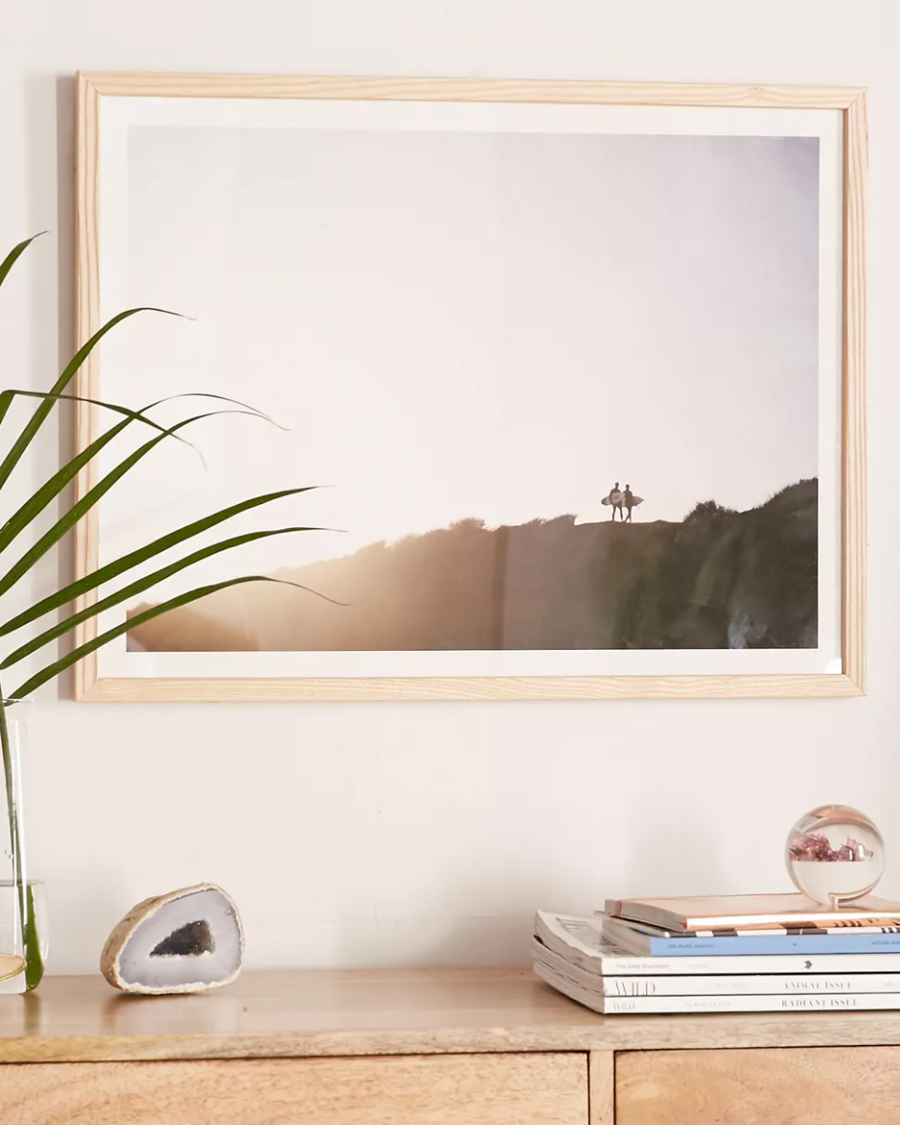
(745, 953)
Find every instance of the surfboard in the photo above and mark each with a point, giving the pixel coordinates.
(613, 498)
(635, 500)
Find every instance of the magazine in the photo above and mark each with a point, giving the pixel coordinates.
(598, 1001)
(716, 984)
(572, 954)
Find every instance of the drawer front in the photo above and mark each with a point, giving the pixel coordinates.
(414, 1090)
(796, 1086)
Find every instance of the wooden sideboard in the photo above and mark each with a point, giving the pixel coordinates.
(427, 1047)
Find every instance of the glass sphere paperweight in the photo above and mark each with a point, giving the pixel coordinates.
(835, 854)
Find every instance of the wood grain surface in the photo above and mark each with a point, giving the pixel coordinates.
(384, 88)
(824, 1086)
(853, 588)
(450, 1090)
(449, 689)
(602, 1087)
(383, 1012)
(87, 321)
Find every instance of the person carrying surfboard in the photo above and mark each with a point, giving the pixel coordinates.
(615, 498)
(629, 501)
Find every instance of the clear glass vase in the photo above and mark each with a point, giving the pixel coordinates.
(23, 922)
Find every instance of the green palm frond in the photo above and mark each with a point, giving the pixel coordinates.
(29, 431)
(135, 558)
(56, 484)
(5, 266)
(138, 587)
(81, 651)
(135, 583)
(13, 256)
(81, 507)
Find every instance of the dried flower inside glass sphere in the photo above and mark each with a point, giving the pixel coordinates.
(835, 854)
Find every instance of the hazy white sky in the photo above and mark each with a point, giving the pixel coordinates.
(471, 325)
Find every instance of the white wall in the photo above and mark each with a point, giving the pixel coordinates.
(425, 833)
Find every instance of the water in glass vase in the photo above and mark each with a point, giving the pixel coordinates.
(23, 923)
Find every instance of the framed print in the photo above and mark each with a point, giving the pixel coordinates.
(578, 367)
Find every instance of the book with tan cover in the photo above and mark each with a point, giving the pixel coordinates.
(745, 912)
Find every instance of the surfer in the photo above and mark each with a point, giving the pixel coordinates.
(629, 501)
(615, 499)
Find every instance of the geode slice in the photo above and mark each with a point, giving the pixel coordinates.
(184, 941)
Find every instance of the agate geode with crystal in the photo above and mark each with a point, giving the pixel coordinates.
(184, 941)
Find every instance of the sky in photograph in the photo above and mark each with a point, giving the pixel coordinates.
(462, 325)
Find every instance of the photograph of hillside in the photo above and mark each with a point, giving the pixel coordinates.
(561, 387)
(718, 579)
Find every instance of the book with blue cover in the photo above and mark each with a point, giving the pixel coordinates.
(581, 942)
(648, 941)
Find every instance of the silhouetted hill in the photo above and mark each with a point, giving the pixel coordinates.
(718, 579)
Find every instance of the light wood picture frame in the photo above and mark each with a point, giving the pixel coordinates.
(842, 111)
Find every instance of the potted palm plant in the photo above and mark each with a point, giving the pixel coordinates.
(24, 963)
